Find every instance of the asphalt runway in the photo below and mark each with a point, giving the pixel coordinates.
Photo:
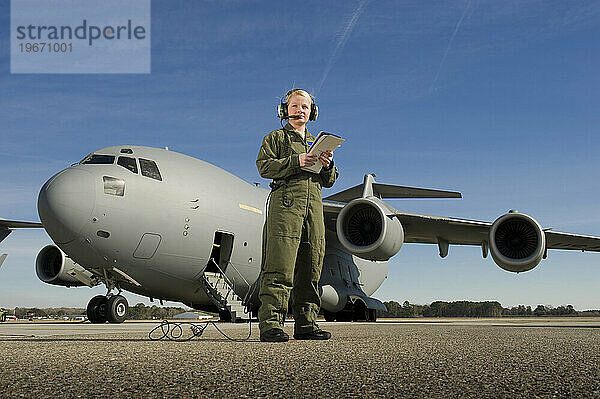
(428, 358)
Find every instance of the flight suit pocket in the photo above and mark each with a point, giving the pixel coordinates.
(286, 199)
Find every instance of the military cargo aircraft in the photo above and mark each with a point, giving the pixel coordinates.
(172, 227)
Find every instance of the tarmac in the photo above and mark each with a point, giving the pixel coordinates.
(424, 358)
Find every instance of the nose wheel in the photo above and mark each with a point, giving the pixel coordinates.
(111, 308)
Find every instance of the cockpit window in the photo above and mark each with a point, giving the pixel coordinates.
(149, 169)
(128, 163)
(98, 159)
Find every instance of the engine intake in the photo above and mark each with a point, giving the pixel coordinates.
(366, 229)
(517, 242)
(52, 266)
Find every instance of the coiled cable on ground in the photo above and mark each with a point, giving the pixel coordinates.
(177, 331)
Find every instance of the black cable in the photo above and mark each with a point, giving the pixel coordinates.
(173, 331)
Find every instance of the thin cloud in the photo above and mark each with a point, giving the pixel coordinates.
(456, 28)
(342, 41)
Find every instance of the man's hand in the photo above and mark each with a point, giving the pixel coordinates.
(307, 159)
(326, 158)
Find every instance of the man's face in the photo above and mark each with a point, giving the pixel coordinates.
(299, 105)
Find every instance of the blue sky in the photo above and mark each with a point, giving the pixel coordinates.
(497, 100)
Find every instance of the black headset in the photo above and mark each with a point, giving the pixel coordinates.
(282, 108)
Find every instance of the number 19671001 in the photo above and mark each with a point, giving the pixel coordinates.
(47, 47)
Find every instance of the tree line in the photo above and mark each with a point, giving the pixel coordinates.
(137, 312)
(143, 312)
(394, 309)
(476, 309)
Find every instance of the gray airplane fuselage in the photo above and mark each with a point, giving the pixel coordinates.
(154, 214)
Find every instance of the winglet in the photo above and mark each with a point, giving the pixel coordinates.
(370, 188)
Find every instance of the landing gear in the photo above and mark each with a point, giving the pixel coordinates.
(224, 315)
(362, 313)
(112, 308)
(372, 316)
(117, 308)
(345, 315)
(356, 312)
(329, 316)
(96, 309)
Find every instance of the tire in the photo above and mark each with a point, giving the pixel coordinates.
(225, 315)
(360, 312)
(328, 316)
(372, 315)
(117, 308)
(344, 316)
(96, 309)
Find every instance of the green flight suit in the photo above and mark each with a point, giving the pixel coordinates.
(294, 239)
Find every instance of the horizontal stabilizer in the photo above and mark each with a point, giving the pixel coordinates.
(389, 191)
(4, 233)
(17, 224)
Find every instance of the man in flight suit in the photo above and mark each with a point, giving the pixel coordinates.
(295, 230)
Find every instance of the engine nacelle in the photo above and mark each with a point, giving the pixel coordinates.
(366, 228)
(52, 266)
(517, 242)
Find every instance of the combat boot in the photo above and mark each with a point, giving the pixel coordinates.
(318, 335)
(274, 335)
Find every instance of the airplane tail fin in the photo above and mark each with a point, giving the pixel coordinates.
(370, 188)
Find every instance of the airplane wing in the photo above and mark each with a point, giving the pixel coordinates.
(7, 226)
(439, 230)
(558, 240)
(427, 229)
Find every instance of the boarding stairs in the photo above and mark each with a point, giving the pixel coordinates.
(221, 291)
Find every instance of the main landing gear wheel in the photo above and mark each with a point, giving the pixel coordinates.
(113, 309)
(362, 313)
(329, 316)
(117, 308)
(357, 313)
(96, 309)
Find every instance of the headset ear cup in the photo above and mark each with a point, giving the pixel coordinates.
(314, 112)
(282, 111)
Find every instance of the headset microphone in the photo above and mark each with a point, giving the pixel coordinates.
(294, 116)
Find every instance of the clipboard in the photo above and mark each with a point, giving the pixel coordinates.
(324, 142)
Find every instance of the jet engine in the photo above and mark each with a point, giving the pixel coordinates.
(367, 228)
(52, 266)
(517, 242)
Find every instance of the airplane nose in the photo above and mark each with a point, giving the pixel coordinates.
(65, 204)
